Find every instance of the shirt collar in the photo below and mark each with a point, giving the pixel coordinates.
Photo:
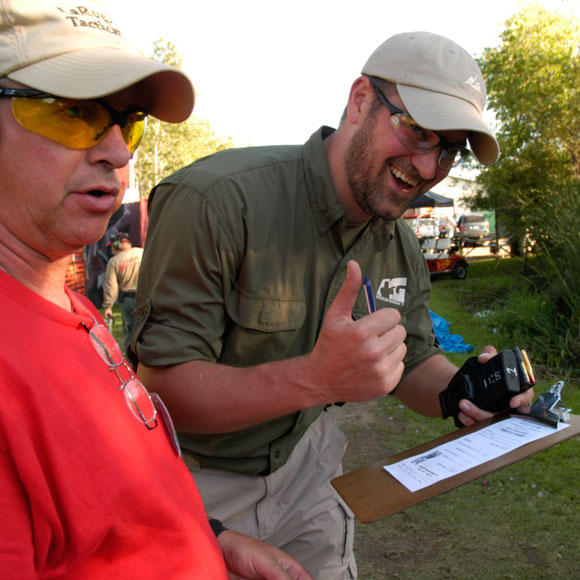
(324, 201)
(326, 206)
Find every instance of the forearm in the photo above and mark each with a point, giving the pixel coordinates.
(110, 294)
(206, 397)
(109, 300)
(110, 288)
(419, 390)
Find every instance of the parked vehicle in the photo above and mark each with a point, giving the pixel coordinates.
(442, 259)
(423, 226)
(472, 226)
(446, 227)
(453, 264)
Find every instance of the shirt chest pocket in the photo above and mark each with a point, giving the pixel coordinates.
(263, 328)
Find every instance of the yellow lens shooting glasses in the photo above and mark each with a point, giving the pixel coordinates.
(77, 124)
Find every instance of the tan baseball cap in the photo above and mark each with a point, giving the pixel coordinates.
(440, 85)
(74, 49)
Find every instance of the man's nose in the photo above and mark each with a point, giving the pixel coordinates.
(426, 163)
(112, 149)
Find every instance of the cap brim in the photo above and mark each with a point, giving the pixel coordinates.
(167, 93)
(441, 112)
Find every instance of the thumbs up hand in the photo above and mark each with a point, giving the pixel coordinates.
(356, 360)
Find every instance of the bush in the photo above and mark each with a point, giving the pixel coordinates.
(526, 310)
(557, 269)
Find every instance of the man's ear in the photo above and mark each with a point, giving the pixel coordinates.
(359, 100)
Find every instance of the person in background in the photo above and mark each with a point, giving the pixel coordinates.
(121, 281)
(91, 482)
(254, 324)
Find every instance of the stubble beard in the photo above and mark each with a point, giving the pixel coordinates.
(370, 192)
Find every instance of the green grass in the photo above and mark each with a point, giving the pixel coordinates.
(520, 522)
(117, 329)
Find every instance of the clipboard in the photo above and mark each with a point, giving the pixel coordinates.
(372, 493)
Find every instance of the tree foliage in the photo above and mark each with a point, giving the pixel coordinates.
(533, 81)
(533, 84)
(167, 147)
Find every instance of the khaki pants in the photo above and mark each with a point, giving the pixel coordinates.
(295, 508)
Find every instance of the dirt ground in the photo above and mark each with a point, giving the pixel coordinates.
(390, 547)
(367, 427)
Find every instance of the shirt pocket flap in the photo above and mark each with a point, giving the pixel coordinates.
(266, 313)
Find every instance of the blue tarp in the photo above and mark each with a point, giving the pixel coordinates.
(448, 342)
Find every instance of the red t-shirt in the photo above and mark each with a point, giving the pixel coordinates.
(86, 491)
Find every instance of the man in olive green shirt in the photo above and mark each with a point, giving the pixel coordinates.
(252, 325)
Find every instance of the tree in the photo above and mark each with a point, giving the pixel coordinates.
(533, 79)
(533, 82)
(166, 147)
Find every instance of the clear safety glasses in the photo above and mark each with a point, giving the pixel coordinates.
(420, 140)
(136, 395)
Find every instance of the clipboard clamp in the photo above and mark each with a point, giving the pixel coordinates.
(549, 407)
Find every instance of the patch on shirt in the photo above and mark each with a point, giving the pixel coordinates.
(392, 290)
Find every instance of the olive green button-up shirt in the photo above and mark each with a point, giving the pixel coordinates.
(244, 255)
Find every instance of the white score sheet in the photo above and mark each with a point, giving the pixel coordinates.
(468, 451)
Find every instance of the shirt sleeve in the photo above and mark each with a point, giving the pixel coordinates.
(186, 275)
(111, 286)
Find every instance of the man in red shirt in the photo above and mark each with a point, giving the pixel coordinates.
(91, 483)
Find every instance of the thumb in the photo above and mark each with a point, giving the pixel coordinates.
(346, 297)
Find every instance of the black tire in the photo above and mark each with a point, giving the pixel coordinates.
(459, 270)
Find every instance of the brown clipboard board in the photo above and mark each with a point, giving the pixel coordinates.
(372, 493)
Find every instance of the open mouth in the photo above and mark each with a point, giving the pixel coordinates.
(403, 179)
(97, 193)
